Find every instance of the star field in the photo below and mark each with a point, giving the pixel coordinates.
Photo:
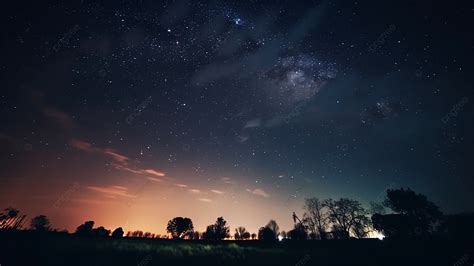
(233, 104)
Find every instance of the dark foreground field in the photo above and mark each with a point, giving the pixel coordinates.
(29, 248)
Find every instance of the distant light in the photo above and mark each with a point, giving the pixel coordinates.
(280, 238)
(376, 235)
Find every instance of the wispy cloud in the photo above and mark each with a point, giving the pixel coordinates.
(242, 139)
(112, 191)
(228, 180)
(253, 123)
(181, 185)
(115, 155)
(121, 161)
(195, 191)
(110, 153)
(64, 119)
(148, 173)
(205, 200)
(217, 191)
(259, 192)
(154, 172)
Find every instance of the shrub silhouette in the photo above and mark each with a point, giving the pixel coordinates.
(118, 233)
(85, 228)
(40, 223)
(269, 232)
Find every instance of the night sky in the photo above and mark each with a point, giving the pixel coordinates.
(130, 113)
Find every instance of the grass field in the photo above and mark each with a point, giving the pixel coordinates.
(29, 248)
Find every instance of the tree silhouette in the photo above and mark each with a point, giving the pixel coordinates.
(180, 227)
(269, 232)
(136, 233)
(240, 232)
(298, 232)
(413, 216)
(118, 233)
(100, 231)
(195, 235)
(253, 236)
(40, 223)
(347, 215)
(316, 217)
(217, 231)
(85, 228)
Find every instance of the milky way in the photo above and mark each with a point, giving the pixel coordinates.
(294, 79)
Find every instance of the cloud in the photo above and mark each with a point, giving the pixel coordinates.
(228, 180)
(205, 200)
(259, 192)
(154, 179)
(63, 118)
(82, 145)
(112, 191)
(193, 190)
(115, 155)
(253, 123)
(181, 185)
(120, 159)
(153, 172)
(87, 147)
(242, 139)
(217, 191)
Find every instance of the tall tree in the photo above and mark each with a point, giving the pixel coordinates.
(316, 217)
(180, 227)
(347, 215)
(414, 215)
(218, 230)
(40, 223)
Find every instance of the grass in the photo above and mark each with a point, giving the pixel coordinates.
(30, 248)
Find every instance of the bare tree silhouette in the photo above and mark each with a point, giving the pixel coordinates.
(347, 215)
(316, 217)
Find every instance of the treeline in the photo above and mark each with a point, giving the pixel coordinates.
(403, 214)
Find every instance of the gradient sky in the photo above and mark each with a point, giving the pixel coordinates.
(130, 113)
